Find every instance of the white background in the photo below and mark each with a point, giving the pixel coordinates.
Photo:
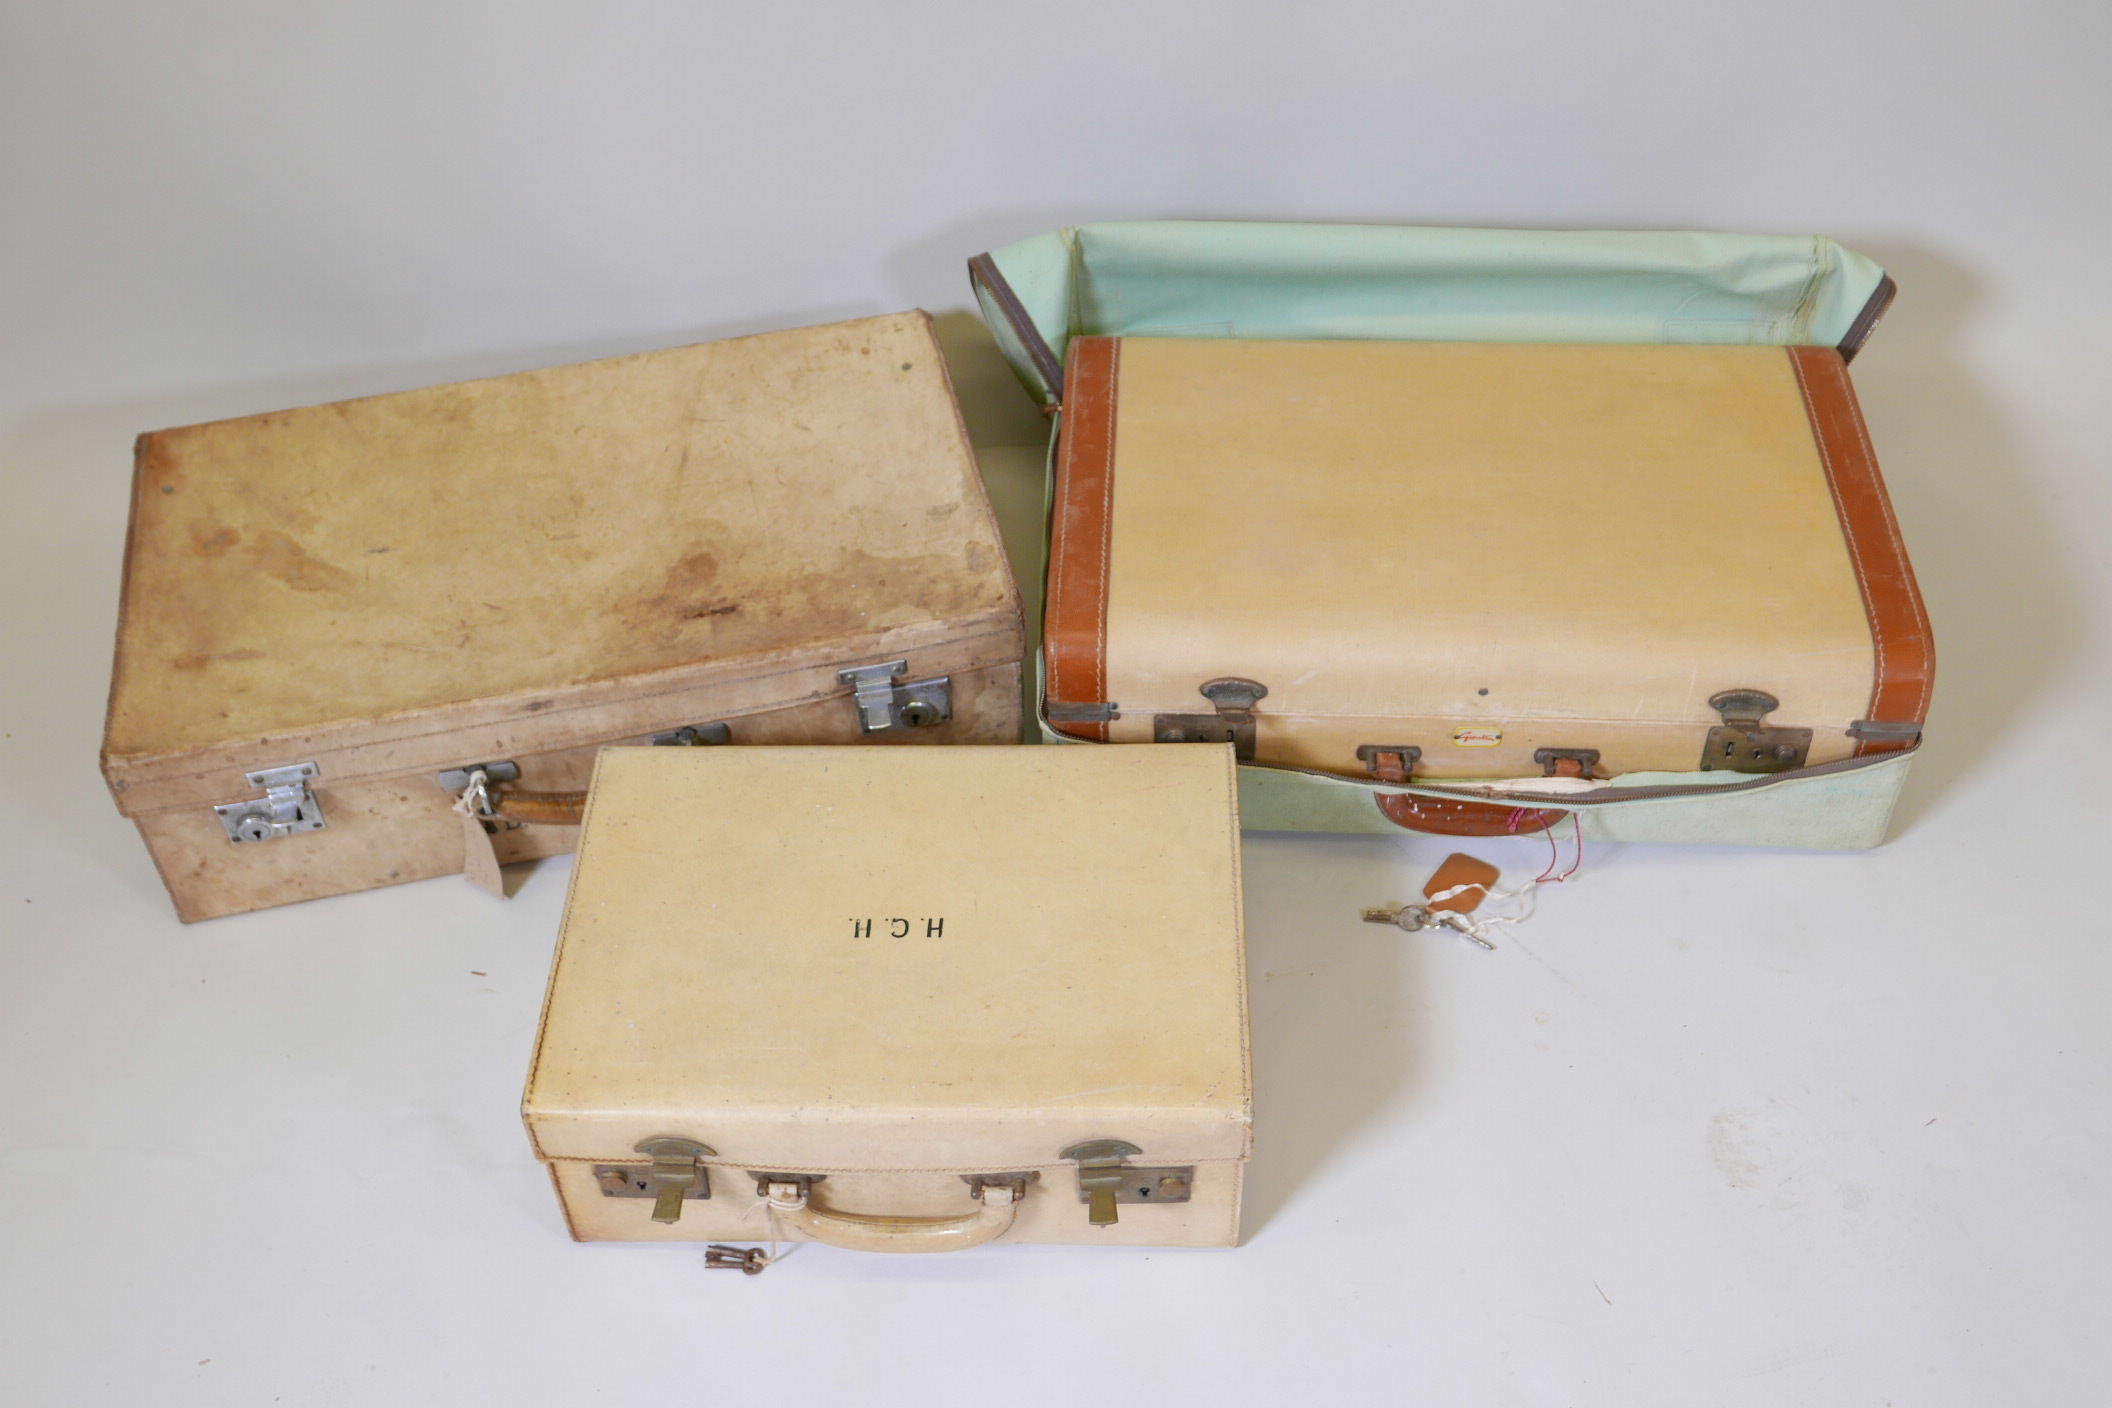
(1720, 1127)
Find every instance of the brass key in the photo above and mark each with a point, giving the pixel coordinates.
(1415, 917)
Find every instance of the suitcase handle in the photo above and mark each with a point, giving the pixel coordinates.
(1441, 816)
(878, 1232)
(540, 808)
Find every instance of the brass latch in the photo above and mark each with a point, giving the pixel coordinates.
(1742, 743)
(1233, 723)
(676, 1174)
(1105, 1180)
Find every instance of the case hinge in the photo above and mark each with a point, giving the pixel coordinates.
(885, 702)
(1233, 722)
(1742, 743)
(694, 736)
(1105, 1179)
(286, 807)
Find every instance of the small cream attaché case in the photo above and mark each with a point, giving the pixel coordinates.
(900, 1000)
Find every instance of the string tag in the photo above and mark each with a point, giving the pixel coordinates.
(749, 1261)
(480, 857)
(1459, 886)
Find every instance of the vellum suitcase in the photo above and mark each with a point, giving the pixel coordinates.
(1507, 527)
(900, 1000)
(337, 620)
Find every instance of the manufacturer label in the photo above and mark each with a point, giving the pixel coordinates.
(1478, 737)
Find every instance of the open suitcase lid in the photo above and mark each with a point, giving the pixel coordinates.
(549, 559)
(1172, 278)
(873, 959)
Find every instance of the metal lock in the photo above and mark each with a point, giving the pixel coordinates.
(1106, 1179)
(1742, 743)
(286, 807)
(885, 701)
(675, 1175)
(1233, 722)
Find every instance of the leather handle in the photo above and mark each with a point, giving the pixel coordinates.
(540, 808)
(1441, 816)
(880, 1232)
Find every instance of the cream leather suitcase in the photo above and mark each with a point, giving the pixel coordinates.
(337, 620)
(900, 1000)
(1475, 531)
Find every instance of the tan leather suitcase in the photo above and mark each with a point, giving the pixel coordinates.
(1430, 560)
(900, 1000)
(336, 620)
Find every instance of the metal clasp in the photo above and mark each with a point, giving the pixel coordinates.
(883, 703)
(1742, 743)
(286, 807)
(1106, 1180)
(675, 1174)
(1233, 723)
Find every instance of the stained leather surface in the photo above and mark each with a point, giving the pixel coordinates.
(1570, 546)
(1084, 980)
(550, 531)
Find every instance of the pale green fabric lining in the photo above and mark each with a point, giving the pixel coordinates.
(1189, 279)
(1169, 278)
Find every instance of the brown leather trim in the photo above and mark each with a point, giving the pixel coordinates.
(983, 274)
(1074, 628)
(1446, 818)
(1899, 624)
(1866, 321)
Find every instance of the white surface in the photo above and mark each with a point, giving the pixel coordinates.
(1721, 1127)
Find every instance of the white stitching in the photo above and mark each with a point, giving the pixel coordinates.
(1107, 513)
(1840, 509)
(1899, 548)
(1059, 552)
